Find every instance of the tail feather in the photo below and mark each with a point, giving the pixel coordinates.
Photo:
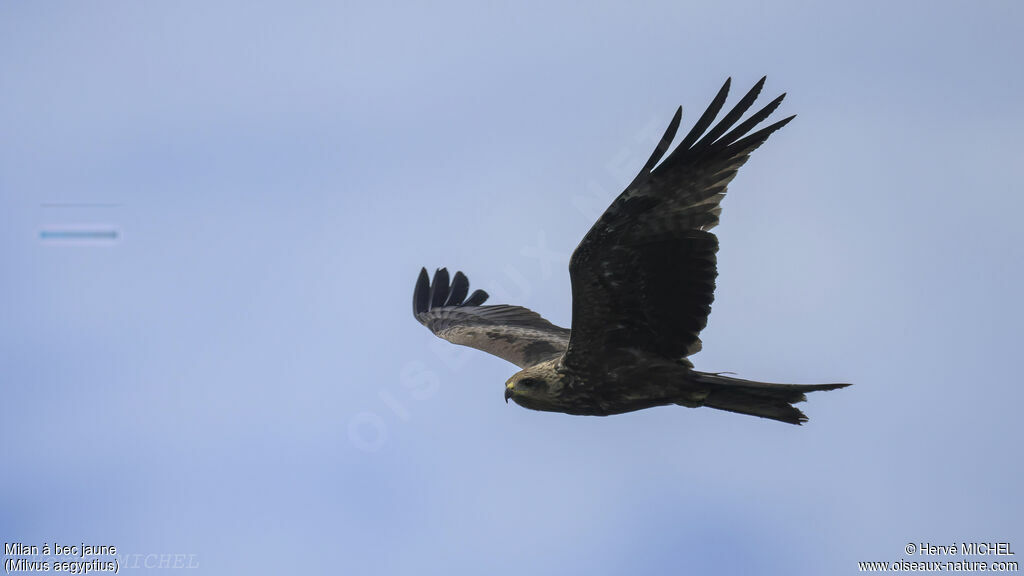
(767, 400)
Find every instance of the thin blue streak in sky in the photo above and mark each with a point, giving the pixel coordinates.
(78, 234)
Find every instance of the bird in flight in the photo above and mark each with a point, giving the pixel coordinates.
(643, 280)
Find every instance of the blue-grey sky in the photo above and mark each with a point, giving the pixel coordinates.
(238, 377)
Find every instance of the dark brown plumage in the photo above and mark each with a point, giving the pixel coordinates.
(643, 281)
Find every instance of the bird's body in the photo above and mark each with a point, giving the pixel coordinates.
(630, 384)
(645, 381)
(642, 280)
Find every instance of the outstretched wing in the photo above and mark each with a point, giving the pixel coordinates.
(644, 275)
(514, 333)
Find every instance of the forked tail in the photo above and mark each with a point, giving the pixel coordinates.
(762, 399)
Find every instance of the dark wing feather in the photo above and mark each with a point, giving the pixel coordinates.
(643, 277)
(460, 287)
(514, 333)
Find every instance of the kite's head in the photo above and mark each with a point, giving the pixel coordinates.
(536, 387)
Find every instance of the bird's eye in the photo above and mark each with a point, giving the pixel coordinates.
(528, 382)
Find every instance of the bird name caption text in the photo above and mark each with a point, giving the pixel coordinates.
(79, 558)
